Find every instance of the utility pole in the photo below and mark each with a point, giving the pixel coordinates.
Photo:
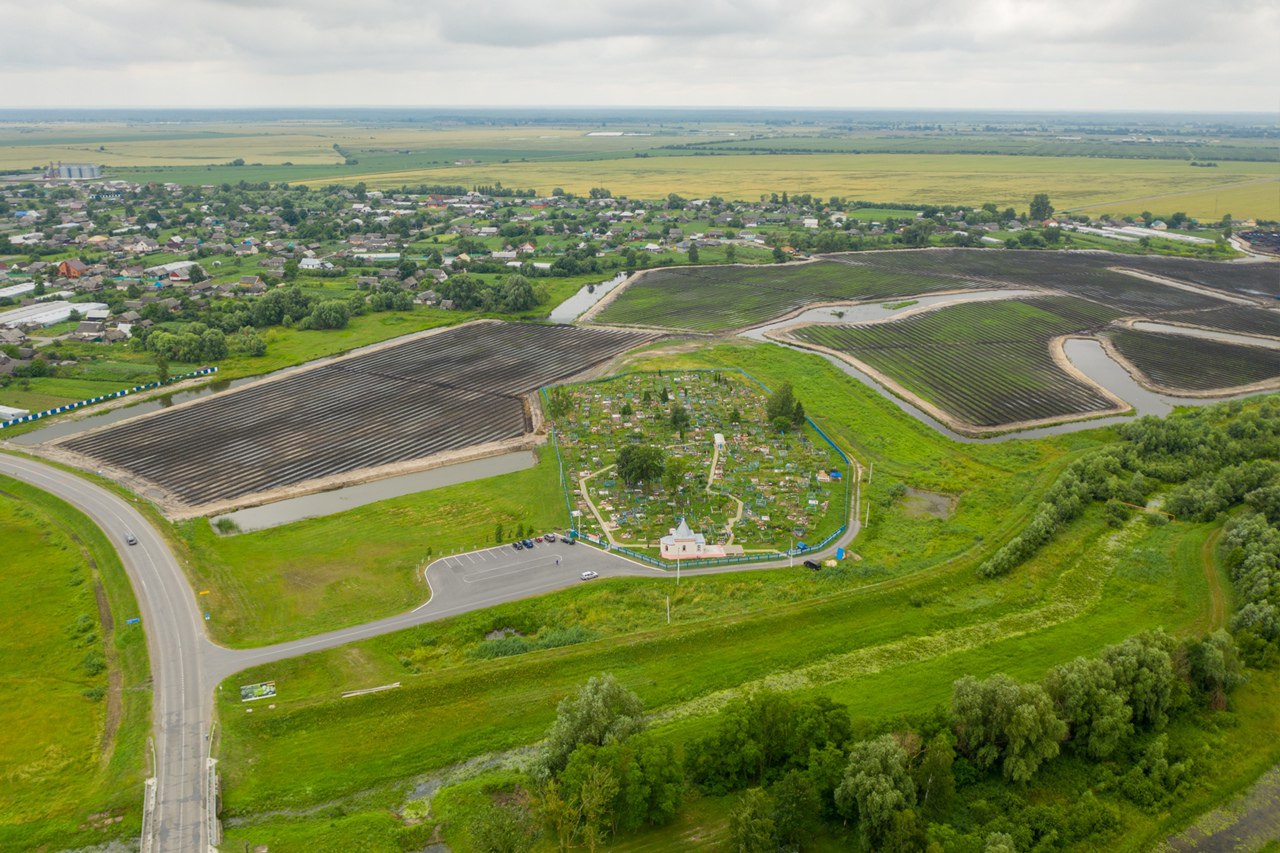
(668, 610)
(871, 470)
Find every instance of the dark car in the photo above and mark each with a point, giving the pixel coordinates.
(572, 540)
(518, 546)
(812, 564)
(528, 543)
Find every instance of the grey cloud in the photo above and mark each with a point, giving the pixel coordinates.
(1029, 53)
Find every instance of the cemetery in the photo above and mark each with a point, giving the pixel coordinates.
(695, 465)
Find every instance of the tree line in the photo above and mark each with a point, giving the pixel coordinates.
(797, 763)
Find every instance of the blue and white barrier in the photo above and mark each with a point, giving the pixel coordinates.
(35, 416)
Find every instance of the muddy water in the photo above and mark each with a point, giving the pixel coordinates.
(63, 428)
(341, 500)
(572, 308)
(1206, 334)
(871, 312)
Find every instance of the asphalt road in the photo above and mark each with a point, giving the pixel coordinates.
(176, 643)
(187, 666)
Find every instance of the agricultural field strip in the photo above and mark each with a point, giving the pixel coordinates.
(935, 353)
(1248, 321)
(443, 392)
(721, 298)
(683, 298)
(1163, 358)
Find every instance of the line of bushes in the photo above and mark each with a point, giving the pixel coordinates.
(1217, 455)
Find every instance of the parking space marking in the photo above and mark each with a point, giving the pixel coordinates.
(483, 575)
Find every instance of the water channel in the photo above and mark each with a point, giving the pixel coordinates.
(350, 497)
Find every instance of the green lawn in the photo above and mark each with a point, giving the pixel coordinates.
(323, 573)
(76, 683)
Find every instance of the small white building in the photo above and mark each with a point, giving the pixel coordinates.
(684, 544)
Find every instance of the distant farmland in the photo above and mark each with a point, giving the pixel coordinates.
(987, 364)
(442, 392)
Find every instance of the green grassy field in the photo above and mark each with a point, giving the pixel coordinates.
(986, 363)
(884, 650)
(76, 682)
(311, 576)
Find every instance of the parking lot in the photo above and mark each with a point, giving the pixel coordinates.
(502, 573)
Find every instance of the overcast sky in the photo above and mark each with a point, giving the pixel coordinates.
(1020, 54)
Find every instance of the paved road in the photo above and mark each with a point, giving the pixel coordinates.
(175, 641)
(187, 666)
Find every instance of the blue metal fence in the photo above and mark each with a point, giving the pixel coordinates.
(35, 416)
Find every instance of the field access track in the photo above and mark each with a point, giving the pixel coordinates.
(445, 391)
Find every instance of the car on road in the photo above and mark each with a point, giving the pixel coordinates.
(812, 564)
(519, 546)
(588, 576)
(131, 539)
(528, 543)
(550, 537)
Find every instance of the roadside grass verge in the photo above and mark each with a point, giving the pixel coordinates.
(318, 574)
(76, 714)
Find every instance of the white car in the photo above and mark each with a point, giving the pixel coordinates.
(550, 537)
(586, 576)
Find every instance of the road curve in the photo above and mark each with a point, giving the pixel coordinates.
(176, 642)
(187, 666)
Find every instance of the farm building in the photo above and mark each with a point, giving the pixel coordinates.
(44, 313)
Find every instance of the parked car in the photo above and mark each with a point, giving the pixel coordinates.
(519, 546)
(571, 540)
(537, 539)
(587, 576)
(528, 543)
(131, 539)
(812, 564)
(550, 537)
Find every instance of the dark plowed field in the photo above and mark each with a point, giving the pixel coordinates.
(718, 298)
(987, 363)
(1176, 361)
(1248, 321)
(443, 392)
